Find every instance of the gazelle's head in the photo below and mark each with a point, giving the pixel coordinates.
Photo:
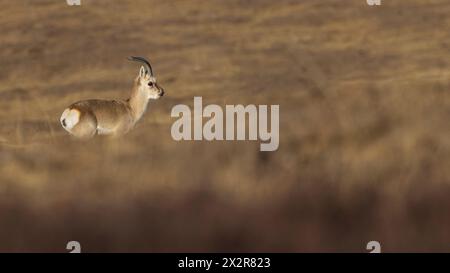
(146, 81)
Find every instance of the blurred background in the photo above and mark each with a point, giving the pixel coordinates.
(364, 134)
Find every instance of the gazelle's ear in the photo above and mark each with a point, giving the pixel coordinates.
(142, 73)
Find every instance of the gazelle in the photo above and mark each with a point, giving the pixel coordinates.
(86, 118)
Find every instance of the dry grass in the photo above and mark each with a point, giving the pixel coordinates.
(364, 150)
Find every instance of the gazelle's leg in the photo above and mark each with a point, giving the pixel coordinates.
(86, 128)
(81, 125)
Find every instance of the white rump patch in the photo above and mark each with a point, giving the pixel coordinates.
(70, 118)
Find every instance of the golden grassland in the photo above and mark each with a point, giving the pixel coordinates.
(364, 132)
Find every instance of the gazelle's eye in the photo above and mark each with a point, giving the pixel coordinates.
(150, 84)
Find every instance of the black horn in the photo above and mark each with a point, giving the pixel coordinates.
(146, 63)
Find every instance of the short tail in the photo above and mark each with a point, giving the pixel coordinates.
(70, 118)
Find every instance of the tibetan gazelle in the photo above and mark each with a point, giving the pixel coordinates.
(86, 118)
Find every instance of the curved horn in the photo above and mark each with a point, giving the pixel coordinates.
(146, 63)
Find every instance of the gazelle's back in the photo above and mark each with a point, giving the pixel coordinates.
(107, 112)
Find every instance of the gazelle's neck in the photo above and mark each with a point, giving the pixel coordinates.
(138, 102)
